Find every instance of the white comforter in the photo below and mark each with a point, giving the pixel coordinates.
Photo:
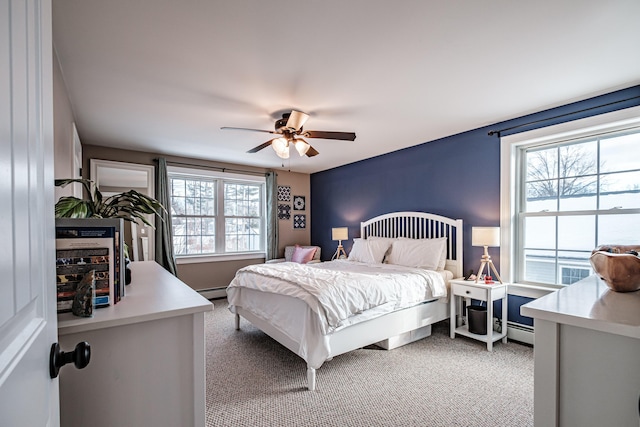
(340, 289)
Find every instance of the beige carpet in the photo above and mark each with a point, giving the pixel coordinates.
(254, 381)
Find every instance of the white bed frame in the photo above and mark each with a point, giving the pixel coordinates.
(393, 329)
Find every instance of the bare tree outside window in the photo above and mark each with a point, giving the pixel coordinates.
(562, 171)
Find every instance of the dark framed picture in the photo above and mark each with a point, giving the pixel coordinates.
(299, 221)
(284, 212)
(298, 203)
(284, 193)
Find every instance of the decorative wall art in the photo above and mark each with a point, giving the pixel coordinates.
(284, 193)
(298, 203)
(284, 212)
(299, 221)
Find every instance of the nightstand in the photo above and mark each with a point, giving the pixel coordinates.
(469, 290)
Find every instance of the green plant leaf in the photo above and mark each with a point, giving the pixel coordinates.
(72, 207)
(130, 205)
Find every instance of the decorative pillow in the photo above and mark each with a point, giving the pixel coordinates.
(288, 252)
(370, 251)
(303, 255)
(429, 254)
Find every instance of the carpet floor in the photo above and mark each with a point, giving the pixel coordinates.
(254, 381)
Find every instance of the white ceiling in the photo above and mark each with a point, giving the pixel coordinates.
(164, 76)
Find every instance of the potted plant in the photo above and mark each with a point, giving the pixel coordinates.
(130, 205)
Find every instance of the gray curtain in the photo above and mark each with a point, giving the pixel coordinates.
(164, 241)
(272, 215)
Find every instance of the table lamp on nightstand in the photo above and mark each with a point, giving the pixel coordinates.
(486, 236)
(339, 234)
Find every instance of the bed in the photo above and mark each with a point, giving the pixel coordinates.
(288, 301)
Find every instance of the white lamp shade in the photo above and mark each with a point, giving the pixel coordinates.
(302, 146)
(281, 147)
(340, 233)
(485, 236)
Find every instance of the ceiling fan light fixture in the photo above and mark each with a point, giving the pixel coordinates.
(296, 120)
(281, 147)
(302, 146)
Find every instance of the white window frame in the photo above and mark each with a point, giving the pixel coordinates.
(510, 179)
(222, 177)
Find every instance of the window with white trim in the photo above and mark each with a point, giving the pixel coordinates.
(569, 193)
(216, 213)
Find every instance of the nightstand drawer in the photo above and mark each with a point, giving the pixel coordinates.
(470, 292)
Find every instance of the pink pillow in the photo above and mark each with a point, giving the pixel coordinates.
(302, 255)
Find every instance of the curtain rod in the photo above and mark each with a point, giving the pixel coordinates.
(219, 168)
(491, 133)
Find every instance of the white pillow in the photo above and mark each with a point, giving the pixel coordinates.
(370, 251)
(429, 254)
(387, 240)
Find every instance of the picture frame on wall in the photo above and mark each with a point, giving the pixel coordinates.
(299, 203)
(299, 221)
(284, 211)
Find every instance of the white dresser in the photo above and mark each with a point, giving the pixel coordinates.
(587, 356)
(147, 357)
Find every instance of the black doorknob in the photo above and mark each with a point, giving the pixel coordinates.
(80, 357)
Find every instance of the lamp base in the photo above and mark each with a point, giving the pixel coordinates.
(340, 253)
(490, 267)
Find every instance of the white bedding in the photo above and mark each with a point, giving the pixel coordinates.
(341, 292)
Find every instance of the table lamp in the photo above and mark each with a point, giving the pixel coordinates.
(486, 236)
(339, 234)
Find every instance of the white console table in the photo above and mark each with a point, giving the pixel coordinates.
(147, 363)
(586, 356)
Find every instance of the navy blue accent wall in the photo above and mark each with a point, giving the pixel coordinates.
(457, 176)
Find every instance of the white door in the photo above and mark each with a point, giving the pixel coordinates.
(28, 396)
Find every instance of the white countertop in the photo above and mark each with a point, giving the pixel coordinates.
(153, 294)
(590, 304)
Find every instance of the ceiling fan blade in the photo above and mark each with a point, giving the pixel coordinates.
(344, 136)
(260, 147)
(253, 130)
(312, 152)
(296, 120)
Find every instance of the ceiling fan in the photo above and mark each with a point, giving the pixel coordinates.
(289, 129)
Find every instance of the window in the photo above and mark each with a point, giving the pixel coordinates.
(569, 193)
(216, 213)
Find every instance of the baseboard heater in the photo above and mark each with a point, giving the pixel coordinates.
(520, 332)
(212, 293)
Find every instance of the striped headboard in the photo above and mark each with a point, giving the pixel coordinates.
(420, 225)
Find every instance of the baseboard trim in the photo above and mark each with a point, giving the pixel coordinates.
(520, 333)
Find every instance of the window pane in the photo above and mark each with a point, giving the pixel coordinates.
(209, 226)
(179, 245)
(194, 245)
(242, 234)
(578, 160)
(542, 196)
(542, 164)
(177, 187)
(194, 226)
(192, 188)
(620, 190)
(178, 205)
(620, 153)
(208, 244)
(578, 194)
(618, 229)
(577, 232)
(179, 226)
(539, 266)
(570, 275)
(540, 233)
